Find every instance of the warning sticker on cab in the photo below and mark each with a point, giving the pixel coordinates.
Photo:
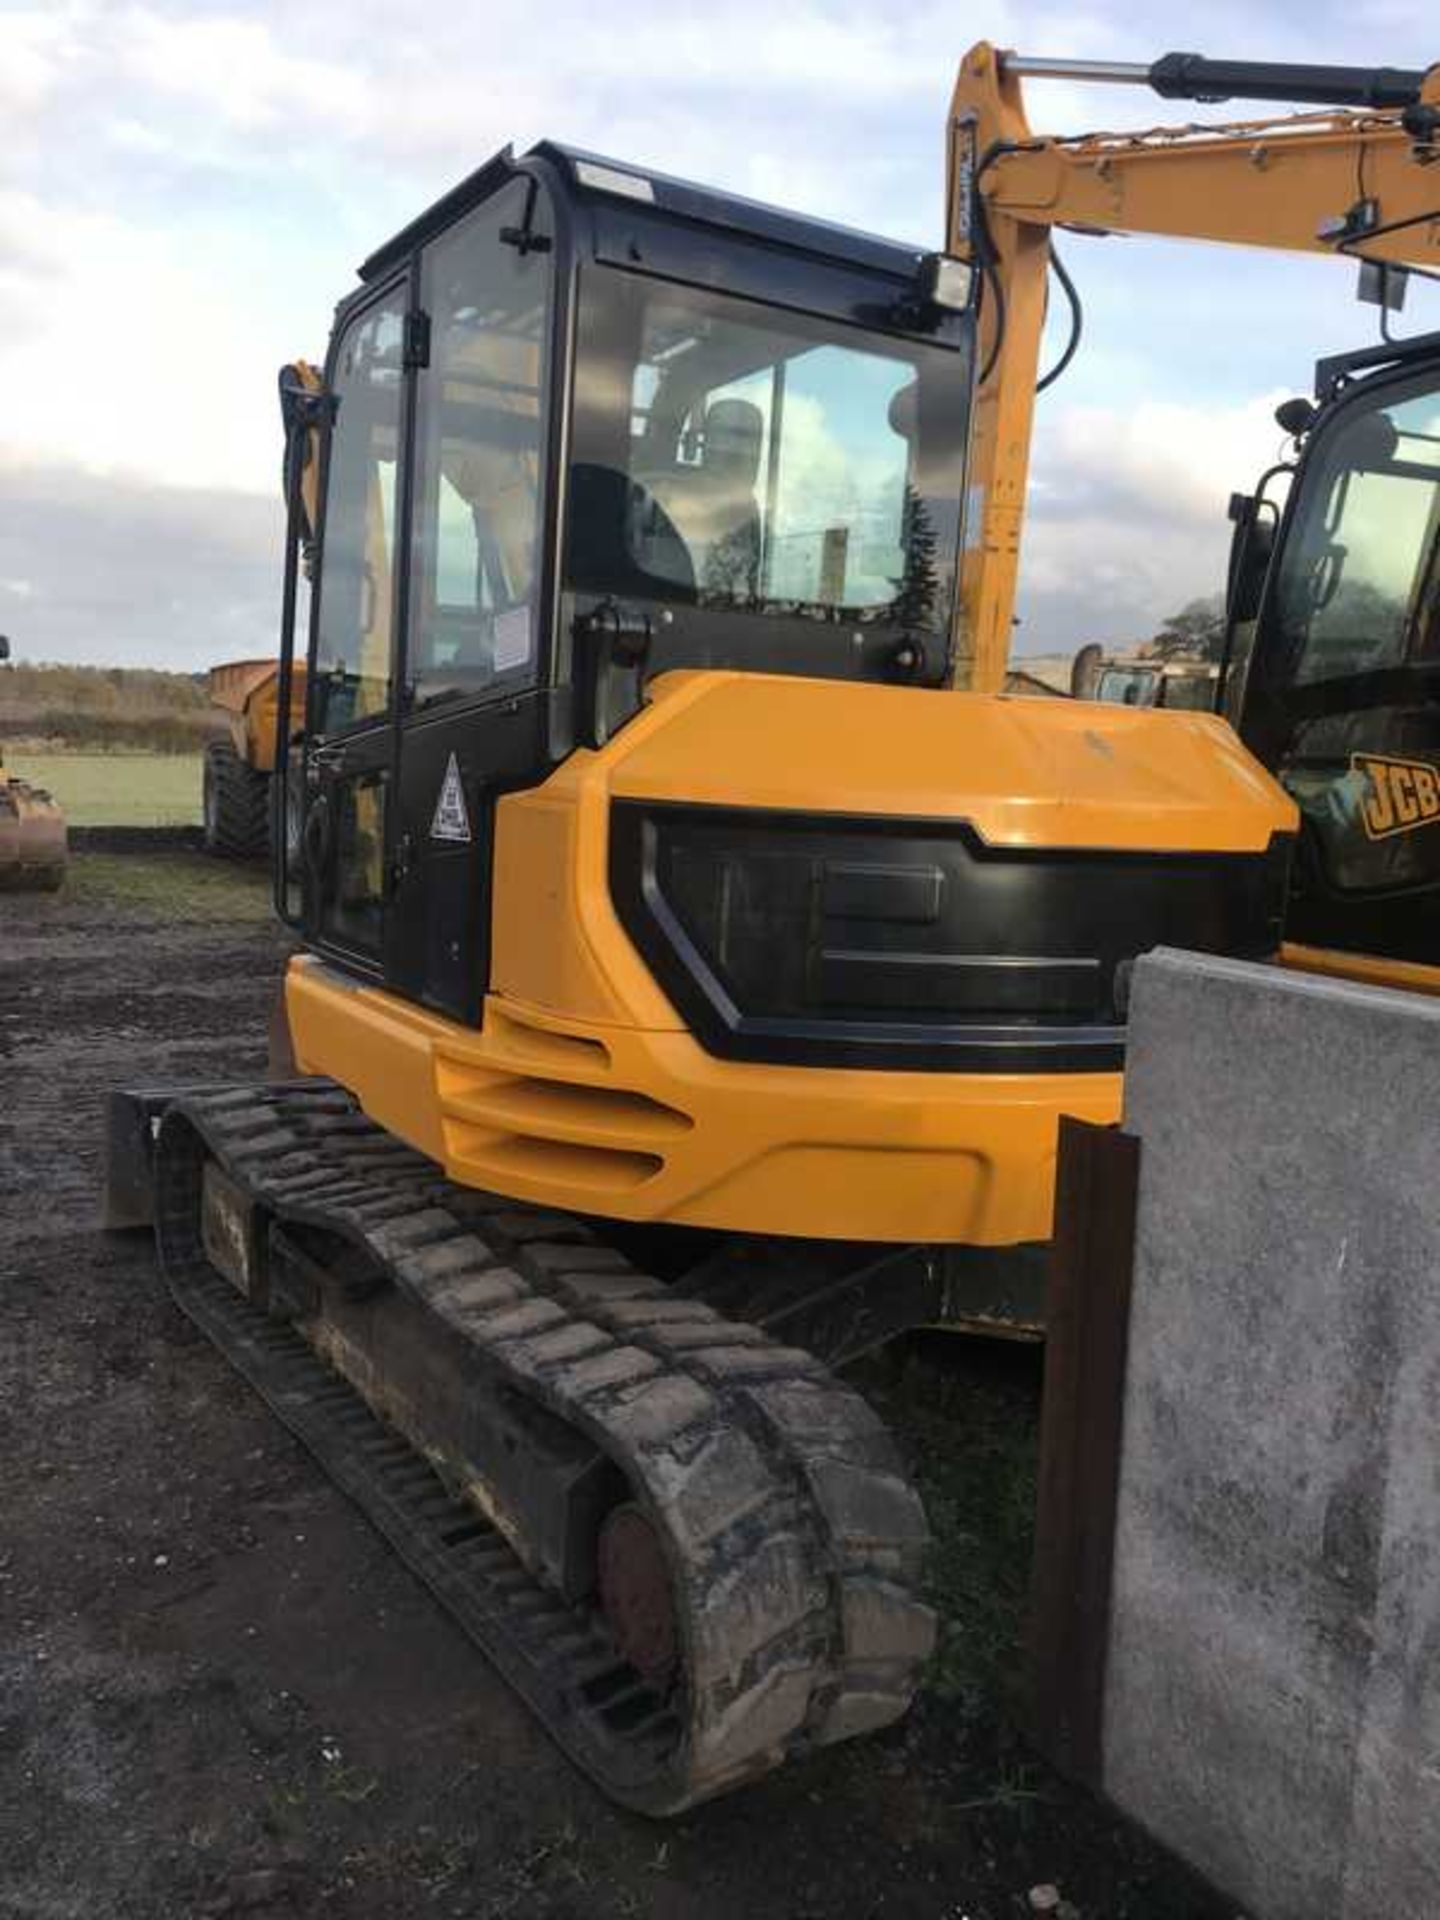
(1400, 795)
(452, 819)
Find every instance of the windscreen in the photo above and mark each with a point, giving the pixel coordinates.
(1190, 692)
(1129, 686)
(1357, 591)
(788, 487)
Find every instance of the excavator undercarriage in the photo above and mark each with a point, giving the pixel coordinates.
(690, 1548)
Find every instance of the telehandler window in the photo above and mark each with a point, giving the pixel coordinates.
(1358, 583)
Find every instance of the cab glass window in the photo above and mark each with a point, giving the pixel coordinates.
(1191, 692)
(759, 468)
(785, 484)
(1358, 590)
(351, 681)
(1129, 686)
(480, 421)
(351, 891)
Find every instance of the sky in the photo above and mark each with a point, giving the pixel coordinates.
(187, 186)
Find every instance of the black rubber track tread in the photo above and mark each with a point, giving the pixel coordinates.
(794, 1539)
(237, 815)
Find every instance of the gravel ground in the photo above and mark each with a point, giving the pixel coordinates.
(220, 1693)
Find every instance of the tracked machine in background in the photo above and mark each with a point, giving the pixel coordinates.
(34, 847)
(692, 976)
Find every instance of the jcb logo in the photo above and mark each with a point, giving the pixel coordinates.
(1400, 794)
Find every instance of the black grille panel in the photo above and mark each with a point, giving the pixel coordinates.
(826, 940)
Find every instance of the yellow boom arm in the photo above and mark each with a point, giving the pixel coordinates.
(1363, 182)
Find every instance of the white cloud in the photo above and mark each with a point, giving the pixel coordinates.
(185, 185)
(1163, 453)
(115, 570)
(1126, 519)
(34, 47)
(127, 349)
(234, 66)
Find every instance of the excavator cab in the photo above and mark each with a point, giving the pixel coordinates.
(1335, 681)
(587, 425)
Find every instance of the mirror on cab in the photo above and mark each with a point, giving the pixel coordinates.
(1251, 545)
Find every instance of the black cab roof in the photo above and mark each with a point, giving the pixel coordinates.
(591, 177)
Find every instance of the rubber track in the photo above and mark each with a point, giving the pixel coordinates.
(795, 1540)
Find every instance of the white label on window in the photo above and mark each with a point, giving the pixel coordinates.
(452, 819)
(512, 639)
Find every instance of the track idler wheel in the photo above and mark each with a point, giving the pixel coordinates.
(636, 1596)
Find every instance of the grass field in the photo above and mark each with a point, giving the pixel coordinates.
(118, 789)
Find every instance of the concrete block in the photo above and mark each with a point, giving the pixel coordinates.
(1272, 1705)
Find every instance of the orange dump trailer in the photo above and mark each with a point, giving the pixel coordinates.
(240, 760)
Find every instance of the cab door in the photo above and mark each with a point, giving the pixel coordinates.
(349, 747)
(471, 701)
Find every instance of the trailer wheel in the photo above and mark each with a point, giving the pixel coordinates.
(236, 805)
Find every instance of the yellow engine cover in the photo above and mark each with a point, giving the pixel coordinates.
(583, 1088)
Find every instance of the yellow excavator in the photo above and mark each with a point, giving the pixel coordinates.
(692, 974)
(34, 845)
(1331, 666)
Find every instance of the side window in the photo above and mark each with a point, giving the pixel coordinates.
(1129, 687)
(352, 639)
(475, 558)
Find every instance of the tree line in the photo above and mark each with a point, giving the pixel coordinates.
(105, 707)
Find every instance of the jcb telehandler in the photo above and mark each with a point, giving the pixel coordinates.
(692, 977)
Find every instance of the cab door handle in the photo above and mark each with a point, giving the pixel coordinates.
(404, 862)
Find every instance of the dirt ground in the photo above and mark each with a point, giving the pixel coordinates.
(220, 1694)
